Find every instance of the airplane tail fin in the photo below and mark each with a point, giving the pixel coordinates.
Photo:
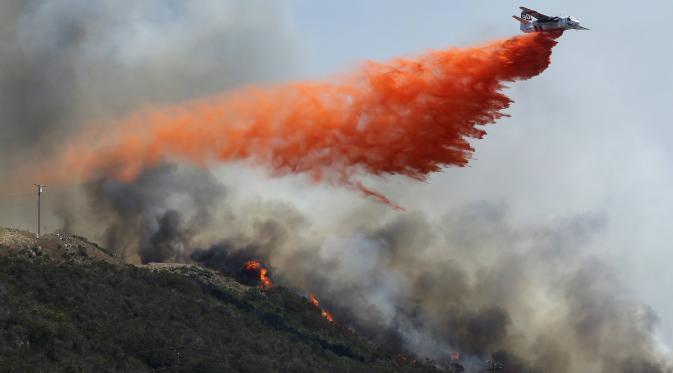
(523, 21)
(526, 14)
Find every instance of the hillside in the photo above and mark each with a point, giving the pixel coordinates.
(81, 312)
(53, 246)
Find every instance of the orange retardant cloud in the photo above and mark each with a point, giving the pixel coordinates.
(408, 117)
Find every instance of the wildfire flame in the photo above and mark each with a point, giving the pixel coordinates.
(255, 266)
(328, 316)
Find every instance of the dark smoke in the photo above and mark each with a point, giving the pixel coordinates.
(224, 256)
(158, 214)
(259, 240)
(231, 260)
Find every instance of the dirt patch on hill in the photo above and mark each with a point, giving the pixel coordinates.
(14, 238)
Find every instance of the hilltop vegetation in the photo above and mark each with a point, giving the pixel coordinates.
(91, 315)
(55, 246)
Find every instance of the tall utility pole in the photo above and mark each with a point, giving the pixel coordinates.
(39, 197)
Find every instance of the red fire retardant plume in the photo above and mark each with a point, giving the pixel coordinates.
(408, 117)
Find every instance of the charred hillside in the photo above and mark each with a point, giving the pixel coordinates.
(76, 313)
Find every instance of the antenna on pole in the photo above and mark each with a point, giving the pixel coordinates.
(39, 197)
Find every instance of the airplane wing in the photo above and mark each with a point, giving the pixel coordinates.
(535, 14)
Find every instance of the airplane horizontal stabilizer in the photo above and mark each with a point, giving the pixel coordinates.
(520, 19)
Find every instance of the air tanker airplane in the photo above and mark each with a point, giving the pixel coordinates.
(544, 23)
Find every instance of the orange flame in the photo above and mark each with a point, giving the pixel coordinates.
(255, 266)
(313, 300)
(409, 117)
(323, 311)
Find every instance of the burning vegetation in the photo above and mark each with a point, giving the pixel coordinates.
(256, 268)
(328, 316)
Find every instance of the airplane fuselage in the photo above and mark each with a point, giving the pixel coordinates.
(534, 21)
(555, 24)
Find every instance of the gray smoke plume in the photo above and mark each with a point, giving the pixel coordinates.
(70, 64)
(473, 283)
(66, 61)
(157, 215)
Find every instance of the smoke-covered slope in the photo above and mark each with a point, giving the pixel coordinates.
(86, 316)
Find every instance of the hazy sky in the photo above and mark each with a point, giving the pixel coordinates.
(589, 136)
